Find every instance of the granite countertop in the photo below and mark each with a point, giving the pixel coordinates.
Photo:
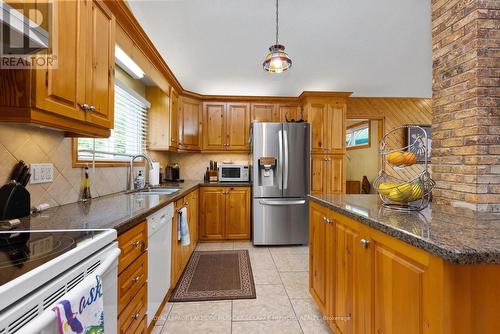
(119, 211)
(457, 235)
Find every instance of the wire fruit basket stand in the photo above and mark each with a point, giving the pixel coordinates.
(401, 185)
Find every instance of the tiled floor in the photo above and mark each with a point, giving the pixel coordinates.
(283, 303)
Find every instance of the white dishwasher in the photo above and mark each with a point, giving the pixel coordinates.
(159, 257)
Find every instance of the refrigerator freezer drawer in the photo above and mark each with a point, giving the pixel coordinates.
(280, 221)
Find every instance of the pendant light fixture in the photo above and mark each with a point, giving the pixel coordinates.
(277, 60)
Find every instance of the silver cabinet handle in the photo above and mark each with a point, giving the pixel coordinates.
(136, 279)
(136, 316)
(324, 220)
(137, 244)
(284, 203)
(364, 243)
(84, 106)
(92, 109)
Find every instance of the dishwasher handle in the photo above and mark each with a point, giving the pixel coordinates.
(282, 203)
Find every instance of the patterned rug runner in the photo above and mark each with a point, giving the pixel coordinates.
(216, 275)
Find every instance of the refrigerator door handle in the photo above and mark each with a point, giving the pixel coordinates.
(282, 203)
(285, 168)
(280, 160)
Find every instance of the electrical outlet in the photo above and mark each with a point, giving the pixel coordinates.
(41, 173)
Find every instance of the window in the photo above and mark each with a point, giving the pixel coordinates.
(129, 134)
(358, 135)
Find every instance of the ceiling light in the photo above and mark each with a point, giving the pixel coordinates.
(277, 59)
(127, 64)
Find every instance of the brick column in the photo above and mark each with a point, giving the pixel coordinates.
(466, 103)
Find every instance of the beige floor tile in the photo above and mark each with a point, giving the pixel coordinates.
(243, 244)
(162, 318)
(156, 330)
(197, 327)
(309, 316)
(291, 262)
(266, 276)
(296, 284)
(272, 303)
(208, 246)
(199, 317)
(266, 327)
(262, 260)
(277, 250)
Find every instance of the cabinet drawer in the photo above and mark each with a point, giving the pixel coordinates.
(132, 244)
(131, 280)
(132, 316)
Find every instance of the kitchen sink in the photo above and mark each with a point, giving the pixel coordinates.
(156, 191)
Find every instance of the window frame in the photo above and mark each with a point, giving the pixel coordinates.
(357, 125)
(76, 163)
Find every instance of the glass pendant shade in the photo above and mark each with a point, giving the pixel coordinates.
(277, 59)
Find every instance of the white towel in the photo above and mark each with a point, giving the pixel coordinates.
(82, 309)
(183, 227)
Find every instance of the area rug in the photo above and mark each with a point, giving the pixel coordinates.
(216, 275)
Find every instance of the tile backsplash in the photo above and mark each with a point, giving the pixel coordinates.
(38, 145)
(194, 165)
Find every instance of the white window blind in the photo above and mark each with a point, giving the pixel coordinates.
(129, 133)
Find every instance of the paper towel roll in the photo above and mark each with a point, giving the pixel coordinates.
(154, 174)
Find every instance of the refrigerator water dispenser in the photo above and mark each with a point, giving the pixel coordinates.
(267, 172)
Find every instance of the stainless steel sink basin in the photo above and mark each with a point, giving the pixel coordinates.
(156, 191)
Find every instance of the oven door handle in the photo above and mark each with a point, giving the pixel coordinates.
(106, 264)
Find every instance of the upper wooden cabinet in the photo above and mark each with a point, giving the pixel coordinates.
(226, 126)
(190, 124)
(327, 118)
(158, 119)
(77, 94)
(264, 112)
(289, 112)
(175, 111)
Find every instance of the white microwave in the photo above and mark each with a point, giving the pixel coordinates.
(233, 173)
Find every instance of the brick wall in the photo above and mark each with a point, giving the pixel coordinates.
(466, 103)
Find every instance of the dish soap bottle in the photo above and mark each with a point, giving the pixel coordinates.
(139, 181)
(86, 195)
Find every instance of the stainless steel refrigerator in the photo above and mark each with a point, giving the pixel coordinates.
(281, 181)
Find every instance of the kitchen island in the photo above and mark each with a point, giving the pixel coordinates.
(378, 270)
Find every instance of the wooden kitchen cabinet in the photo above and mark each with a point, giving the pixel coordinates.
(132, 280)
(290, 112)
(224, 213)
(190, 124)
(158, 119)
(371, 282)
(77, 95)
(181, 254)
(264, 112)
(175, 107)
(327, 174)
(226, 126)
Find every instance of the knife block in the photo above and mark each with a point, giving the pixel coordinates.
(15, 201)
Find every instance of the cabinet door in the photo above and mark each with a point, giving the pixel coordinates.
(190, 124)
(214, 127)
(352, 294)
(317, 117)
(237, 126)
(317, 255)
(100, 65)
(238, 213)
(399, 289)
(159, 119)
(264, 113)
(174, 119)
(334, 183)
(212, 213)
(318, 173)
(335, 128)
(193, 217)
(62, 90)
(290, 112)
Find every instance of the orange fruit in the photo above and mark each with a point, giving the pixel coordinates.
(396, 158)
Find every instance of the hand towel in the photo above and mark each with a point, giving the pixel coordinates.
(183, 227)
(81, 310)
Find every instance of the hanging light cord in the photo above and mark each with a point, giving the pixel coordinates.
(277, 22)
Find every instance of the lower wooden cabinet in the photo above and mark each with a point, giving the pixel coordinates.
(224, 213)
(132, 280)
(365, 281)
(327, 174)
(181, 254)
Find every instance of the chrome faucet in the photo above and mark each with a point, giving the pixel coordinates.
(130, 184)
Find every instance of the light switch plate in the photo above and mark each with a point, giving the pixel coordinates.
(41, 173)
